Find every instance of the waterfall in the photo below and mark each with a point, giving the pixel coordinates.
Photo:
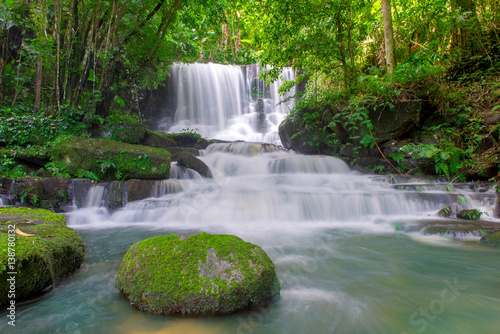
(228, 102)
(95, 197)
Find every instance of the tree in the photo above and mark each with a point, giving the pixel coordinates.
(390, 56)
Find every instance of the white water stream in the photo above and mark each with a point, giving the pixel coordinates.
(220, 101)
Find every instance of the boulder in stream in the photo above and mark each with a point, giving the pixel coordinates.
(204, 274)
(39, 248)
(186, 159)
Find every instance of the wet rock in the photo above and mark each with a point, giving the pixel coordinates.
(187, 160)
(139, 189)
(46, 251)
(202, 274)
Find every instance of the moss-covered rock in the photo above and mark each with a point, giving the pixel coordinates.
(110, 159)
(493, 238)
(198, 275)
(189, 139)
(157, 140)
(131, 133)
(42, 260)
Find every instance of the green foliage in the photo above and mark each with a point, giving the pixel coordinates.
(19, 126)
(192, 132)
(448, 159)
(9, 168)
(473, 214)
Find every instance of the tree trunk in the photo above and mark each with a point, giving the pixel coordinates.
(5, 33)
(38, 85)
(390, 57)
(57, 20)
(464, 34)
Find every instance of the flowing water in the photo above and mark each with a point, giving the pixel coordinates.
(221, 101)
(349, 249)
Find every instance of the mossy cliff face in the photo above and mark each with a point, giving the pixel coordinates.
(198, 275)
(42, 260)
(111, 160)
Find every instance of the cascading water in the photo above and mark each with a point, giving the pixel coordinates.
(228, 102)
(350, 250)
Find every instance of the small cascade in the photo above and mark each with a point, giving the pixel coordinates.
(161, 188)
(243, 148)
(181, 173)
(228, 102)
(95, 197)
(308, 164)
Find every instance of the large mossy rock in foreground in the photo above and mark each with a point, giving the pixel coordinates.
(203, 274)
(47, 254)
(111, 160)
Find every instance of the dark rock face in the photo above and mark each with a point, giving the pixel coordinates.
(202, 274)
(295, 138)
(187, 160)
(389, 123)
(46, 251)
(51, 192)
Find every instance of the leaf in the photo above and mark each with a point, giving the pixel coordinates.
(19, 232)
(120, 101)
(92, 76)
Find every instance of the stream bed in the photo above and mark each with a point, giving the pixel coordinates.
(350, 250)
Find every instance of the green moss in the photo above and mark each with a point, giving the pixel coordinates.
(54, 252)
(110, 160)
(493, 238)
(201, 274)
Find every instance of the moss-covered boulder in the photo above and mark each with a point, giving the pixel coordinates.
(493, 238)
(189, 139)
(39, 248)
(110, 159)
(131, 133)
(157, 140)
(198, 275)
